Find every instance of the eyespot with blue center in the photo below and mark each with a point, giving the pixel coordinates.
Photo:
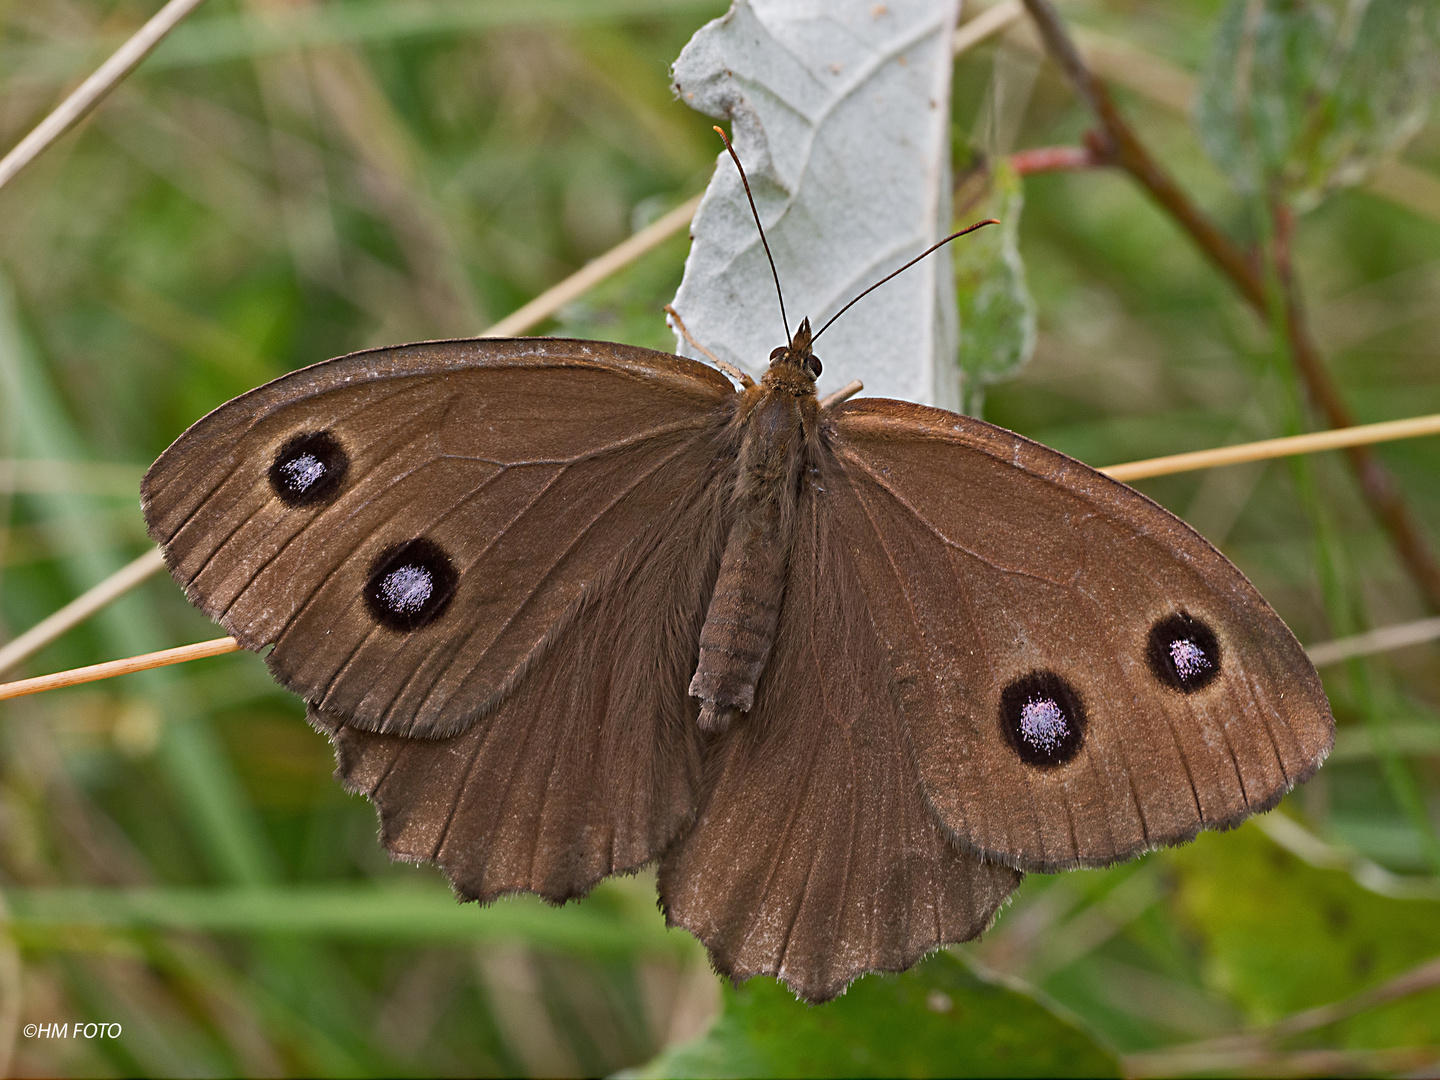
(410, 585)
(309, 469)
(1043, 719)
(1183, 652)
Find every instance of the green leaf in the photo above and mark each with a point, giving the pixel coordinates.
(1281, 936)
(1267, 59)
(1303, 96)
(1382, 90)
(997, 312)
(937, 1020)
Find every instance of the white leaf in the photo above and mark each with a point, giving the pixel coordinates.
(840, 112)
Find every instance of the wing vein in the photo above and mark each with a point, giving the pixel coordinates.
(637, 480)
(890, 490)
(350, 512)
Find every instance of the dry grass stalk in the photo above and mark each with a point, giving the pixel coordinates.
(94, 89)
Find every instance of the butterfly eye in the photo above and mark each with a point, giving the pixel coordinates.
(309, 469)
(1183, 652)
(411, 585)
(1043, 719)
(776, 354)
(812, 365)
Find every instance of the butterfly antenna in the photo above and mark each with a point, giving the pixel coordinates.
(774, 273)
(912, 262)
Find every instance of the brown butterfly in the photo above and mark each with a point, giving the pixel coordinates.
(567, 608)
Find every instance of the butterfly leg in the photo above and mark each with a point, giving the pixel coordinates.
(729, 369)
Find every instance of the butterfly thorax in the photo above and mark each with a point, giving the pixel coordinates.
(778, 423)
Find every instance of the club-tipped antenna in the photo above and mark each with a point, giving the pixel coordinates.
(912, 262)
(746, 181)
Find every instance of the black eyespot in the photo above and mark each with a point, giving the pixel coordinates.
(1184, 653)
(812, 365)
(309, 469)
(1043, 719)
(411, 585)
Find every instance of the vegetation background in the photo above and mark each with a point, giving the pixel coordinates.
(289, 180)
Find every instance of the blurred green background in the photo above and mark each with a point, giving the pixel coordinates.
(174, 855)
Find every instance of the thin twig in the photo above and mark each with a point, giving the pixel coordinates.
(1117, 142)
(80, 609)
(1252, 1061)
(1416, 980)
(1172, 87)
(1419, 978)
(1384, 639)
(94, 89)
(1043, 159)
(985, 25)
(111, 668)
(12, 995)
(1334, 439)
(595, 271)
(146, 565)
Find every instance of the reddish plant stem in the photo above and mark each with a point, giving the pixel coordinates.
(1054, 159)
(1116, 143)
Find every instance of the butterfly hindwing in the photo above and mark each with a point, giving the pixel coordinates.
(814, 857)
(590, 765)
(1083, 676)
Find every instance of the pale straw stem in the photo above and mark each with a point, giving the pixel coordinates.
(111, 668)
(80, 609)
(595, 271)
(1385, 639)
(986, 25)
(544, 305)
(93, 90)
(1334, 439)
(845, 393)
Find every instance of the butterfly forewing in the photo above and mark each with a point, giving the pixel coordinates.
(407, 525)
(1081, 674)
(814, 857)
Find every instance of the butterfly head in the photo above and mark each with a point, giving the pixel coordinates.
(798, 354)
